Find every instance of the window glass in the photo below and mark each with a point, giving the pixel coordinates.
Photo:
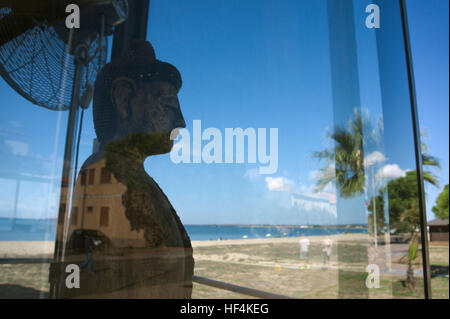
(262, 144)
(32, 140)
(337, 92)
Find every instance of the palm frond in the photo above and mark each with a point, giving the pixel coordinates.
(431, 178)
(428, 160)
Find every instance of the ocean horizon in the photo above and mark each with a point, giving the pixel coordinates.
(44, 230)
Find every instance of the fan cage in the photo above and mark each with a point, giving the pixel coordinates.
(39, 65)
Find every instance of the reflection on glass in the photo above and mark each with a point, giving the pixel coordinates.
(338, 219)
(121, 223)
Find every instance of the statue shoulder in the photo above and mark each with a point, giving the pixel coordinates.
(185, 237)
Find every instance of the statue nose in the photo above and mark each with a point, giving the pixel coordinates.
(179, 121)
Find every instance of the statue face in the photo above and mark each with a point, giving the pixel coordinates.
(151, 109)
(155, 108)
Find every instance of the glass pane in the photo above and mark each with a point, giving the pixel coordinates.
(265, 146)
(33, 120)
(40, 82)
(338, 94)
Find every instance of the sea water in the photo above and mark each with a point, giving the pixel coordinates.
(44, 229)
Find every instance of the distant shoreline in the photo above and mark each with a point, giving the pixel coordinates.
(37, 232)
(47, 220)
(356, 226)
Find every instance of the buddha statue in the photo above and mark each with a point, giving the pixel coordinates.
(123, 231)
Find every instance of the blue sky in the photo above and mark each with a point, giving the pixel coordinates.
(428, 26)
(250, 64)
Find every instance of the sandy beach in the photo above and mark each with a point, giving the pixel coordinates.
(39, 249)
(26, 249)
(269, 264)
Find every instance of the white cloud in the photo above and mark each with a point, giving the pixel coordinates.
(390, 171)
(323, 196)
(312, 175)
(279, 184)
(374, 158)
(312, 204)
(328, 172)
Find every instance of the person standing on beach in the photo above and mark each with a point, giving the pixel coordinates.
(88, 246)
(326, 250)
(304, 246)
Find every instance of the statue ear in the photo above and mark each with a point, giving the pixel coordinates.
(122, 90)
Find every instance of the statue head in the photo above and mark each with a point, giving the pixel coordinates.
(136, 98)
